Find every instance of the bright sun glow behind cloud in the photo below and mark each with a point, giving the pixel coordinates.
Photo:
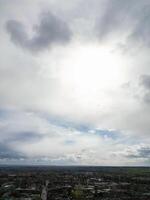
(87, 78)
(91, 71)
(92, 67)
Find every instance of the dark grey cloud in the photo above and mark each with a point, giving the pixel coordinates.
(25, 137)
(50, 30)
(145, 81)
(19, 127)
(115, 16)
(141, 31)
(146, 98)
(8, 153)
(142, 152)
(129, 18)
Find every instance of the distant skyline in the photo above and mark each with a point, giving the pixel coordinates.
(75, 82)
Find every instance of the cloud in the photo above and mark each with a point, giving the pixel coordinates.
(83, 101)
(144, 152)
(140, 151)
(125, 22)
(75, 143)
(74, 146)
(114, 17)
(145, 85)
(50, 31)
(7, 153)
(134, 155)
(145, 81)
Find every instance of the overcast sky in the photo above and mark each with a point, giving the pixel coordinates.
(75, 82)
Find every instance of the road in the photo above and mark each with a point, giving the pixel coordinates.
(44, 191)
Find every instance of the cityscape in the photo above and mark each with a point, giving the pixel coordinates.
(74, 183)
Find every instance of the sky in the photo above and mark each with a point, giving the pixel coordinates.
(75, 82)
